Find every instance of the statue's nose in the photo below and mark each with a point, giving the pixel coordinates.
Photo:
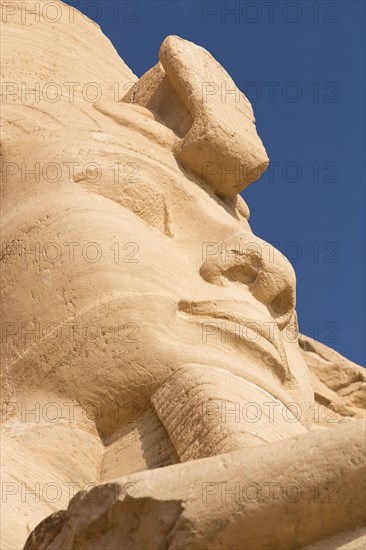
(266, 273)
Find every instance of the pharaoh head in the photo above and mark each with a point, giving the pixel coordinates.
(144, 324)
(133, 271)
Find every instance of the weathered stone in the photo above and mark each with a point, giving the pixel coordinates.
(151, 344)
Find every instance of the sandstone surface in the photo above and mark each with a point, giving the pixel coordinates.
(156, 393)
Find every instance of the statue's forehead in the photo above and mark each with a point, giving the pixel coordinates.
(217, 148)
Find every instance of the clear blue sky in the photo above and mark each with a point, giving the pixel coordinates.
(302, 64)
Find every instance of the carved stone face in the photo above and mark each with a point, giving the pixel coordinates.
(159, 267)
(134, 290)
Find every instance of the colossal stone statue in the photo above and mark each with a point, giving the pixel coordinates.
(155, 384)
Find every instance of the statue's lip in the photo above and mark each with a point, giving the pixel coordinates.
(232, 311)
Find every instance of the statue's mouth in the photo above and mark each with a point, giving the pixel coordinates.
(232, 318)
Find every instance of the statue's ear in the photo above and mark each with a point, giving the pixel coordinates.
(193, 95)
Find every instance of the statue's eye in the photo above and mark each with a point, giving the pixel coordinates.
(147, 203)
(132, 189)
